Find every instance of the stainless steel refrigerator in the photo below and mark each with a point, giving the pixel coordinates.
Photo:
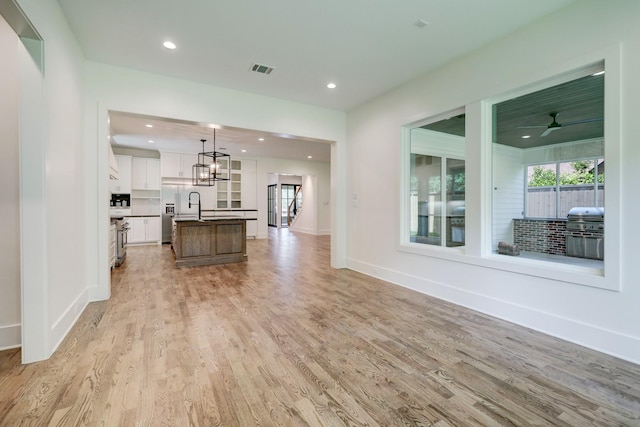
(175, 201)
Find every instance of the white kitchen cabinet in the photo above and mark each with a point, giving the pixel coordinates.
(229, 193)
(144, 229)
(145, 174)
(122, 185)
(177, 165)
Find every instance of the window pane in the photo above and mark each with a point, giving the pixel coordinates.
(426, 198)
(541, 191)
(437, 183)
(455, 202)
(577, 187)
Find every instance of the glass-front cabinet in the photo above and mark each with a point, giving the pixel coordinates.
(229, 193)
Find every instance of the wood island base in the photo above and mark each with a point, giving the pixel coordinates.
(210, 241)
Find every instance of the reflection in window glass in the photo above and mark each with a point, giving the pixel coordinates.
(426, 197)
(437, 184)
(455, 206)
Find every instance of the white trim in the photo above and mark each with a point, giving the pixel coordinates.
(33, 204)
(65, 322)
(304, 230)
(10, 336)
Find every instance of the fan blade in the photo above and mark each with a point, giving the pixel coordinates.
(531, 127)
(549, 130)
(579, 122)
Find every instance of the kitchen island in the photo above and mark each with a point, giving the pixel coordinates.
(214, 240)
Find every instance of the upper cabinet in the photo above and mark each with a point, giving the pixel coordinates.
(146, 174)
(122, 185)
(177, 165)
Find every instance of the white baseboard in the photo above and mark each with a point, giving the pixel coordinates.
(10, 336)
(63, 325)
(95, 293)
(597, 338)
(305, 230)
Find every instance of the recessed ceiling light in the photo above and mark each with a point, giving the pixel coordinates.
(526, 136)
(260, 139)
(149, 125)
(169, 45)
(151, 141)
(309, 157)
(244, 151)
(331, 85)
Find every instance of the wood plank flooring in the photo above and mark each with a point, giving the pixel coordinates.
(284, 340)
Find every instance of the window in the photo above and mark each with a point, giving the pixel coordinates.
(437, 183)
(548, 157)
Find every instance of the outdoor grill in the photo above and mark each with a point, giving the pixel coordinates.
(585, 232)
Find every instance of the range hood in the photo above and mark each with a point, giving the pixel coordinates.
(113, 165)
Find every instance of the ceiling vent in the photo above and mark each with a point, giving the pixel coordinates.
(262, 69)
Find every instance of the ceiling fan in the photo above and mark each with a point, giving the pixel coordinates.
(554, 125)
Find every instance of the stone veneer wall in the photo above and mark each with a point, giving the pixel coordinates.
(547, 236)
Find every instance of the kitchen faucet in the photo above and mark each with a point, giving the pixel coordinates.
(199, 205)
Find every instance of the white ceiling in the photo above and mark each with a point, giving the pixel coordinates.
(366, 47)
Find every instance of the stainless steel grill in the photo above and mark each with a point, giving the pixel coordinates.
(583, 219)
(585, 232)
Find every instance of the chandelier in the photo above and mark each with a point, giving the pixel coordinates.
(212, 166)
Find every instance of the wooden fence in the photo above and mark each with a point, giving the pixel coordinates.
(541, 201)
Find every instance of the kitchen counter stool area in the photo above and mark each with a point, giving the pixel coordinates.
(215, 240)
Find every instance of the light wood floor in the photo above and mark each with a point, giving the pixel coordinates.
(286, 340)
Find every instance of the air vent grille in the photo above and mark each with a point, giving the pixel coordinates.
(262, 69)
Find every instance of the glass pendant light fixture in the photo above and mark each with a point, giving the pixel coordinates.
(212, 166)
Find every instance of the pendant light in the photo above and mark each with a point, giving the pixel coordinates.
(212, 166)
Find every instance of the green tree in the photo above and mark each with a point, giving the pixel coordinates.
(583, 173)
(542, 177)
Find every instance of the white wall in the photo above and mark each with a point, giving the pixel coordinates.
(10, 318)
(113, 88)
(508, 192)
(306, 220)
(602, 319)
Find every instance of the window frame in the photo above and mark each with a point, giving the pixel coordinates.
(609, 277)
(405, 244)
(479, 169)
